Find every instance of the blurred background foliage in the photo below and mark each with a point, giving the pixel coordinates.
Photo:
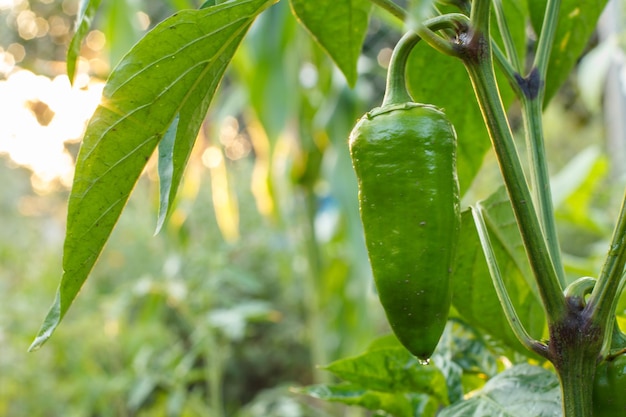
(261, 274)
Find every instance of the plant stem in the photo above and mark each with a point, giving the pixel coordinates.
(509, 45)
(214, 372)
(531, 91)
(477, 59)
(479, 16)
(601, 304)
(392, 8)
(576, 377)
(546, 39)
(498, 283)
(540, 179)
(510, 73)
(313, 289)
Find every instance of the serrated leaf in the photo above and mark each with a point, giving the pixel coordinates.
(392, 370)
(398, 405)
(521, 391)
(474, 296)
(576, 23)
(339, 26)
(86, 12)
(463, 345)
(174, 70)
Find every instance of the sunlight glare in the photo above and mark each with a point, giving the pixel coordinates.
(38, 116)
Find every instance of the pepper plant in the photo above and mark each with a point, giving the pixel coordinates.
(471, 58)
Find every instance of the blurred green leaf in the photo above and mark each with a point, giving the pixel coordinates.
(420, 10)
(86, 13)
(474, 296)
(398, 405)
(121, 27)
(521, 391)
(266, 70)
(571, 177)
(392, 370)
(577, 21)
(580, 207)
(389, 341)
(162, 76)
(339, 26)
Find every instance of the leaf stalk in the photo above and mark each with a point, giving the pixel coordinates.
(498, 282)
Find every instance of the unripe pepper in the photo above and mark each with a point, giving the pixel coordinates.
(609, 389)
(404, 156)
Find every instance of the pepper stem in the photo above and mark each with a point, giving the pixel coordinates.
(396, 91)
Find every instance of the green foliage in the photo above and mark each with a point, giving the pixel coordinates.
(386, 377)
(339, 26)
(170, 322)
(87, 11)
(521, 391)
(577, 21)
(472, 280)
(192, 322)
(163, 78)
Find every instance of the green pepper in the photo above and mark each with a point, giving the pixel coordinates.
(404, 156)
(609, 388)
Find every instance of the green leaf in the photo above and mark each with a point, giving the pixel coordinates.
(466, 347)
(398, 405)
(173, 71)
(388, 341)
(571, 177)
(121, 27)
(270, 82)
(166, 172)
(521, 391)
(420, 10)
(87, 10)
(576, 23)
(339, 26)
(391, 370)
(474, 296)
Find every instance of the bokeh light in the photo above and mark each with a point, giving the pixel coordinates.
(38, 117)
